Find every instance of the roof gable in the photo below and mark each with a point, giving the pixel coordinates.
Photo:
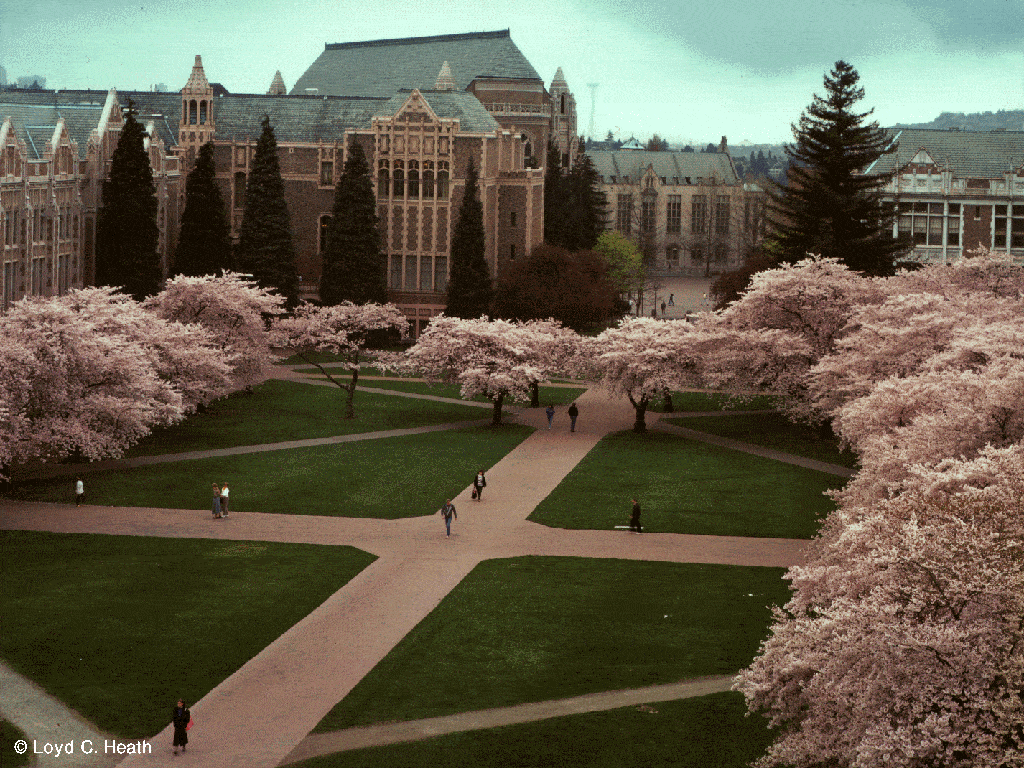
(967, 154)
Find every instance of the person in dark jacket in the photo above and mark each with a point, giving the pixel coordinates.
(180, 718)
(479, 483)
(634, 520)
(448, 512)
(573, 413)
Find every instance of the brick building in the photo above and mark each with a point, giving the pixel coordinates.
(421, 108)
(957, 190)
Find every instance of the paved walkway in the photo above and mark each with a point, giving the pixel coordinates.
(314, 664)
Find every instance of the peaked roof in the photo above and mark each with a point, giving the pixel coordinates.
(277, 87)
(668, 165)
(968, 154)
(458, 105)
(382, 67)
(34, 124)
(445, 81)
(197, 80)
(559, 79)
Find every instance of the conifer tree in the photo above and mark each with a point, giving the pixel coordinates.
(127, 235)
(554, 196)
(353, 265)
(204, 241)
(828, 207)
(584, 209)
(469, 287)
(265, 243)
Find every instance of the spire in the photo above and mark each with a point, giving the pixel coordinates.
(277, 86)
(197, 80)
(445, 81)
(559, 80)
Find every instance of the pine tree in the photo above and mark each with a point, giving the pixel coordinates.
(554, 196)
(204, 241)
(469, 287)
(265, 243)
(828, 207)
(353, 265)
(127, 236)
(584, 206)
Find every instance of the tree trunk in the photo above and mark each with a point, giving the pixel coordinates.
(640, 425)
(350, 411)
(535, 394)
(496, 416)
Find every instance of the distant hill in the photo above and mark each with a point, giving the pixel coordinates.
(1003, 120)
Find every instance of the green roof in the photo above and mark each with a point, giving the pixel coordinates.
(671, 166)
(968, 154)
(462, 106)
(382, 67)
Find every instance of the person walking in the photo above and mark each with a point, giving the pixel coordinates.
(448, 512)
(79, 491)
(573, 413)
(479, 483)
(663, 309)
(180, 718)
(634, 519)
(216, 502)
(671, 299)
(551, 414)
(224, 499)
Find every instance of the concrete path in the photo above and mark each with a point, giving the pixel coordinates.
(413, 730)
(307, 670)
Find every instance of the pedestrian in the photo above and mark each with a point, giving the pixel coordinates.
(632, 307)
(671, 299)
(181, 718)
(634, 519)
(216, 502)
(551, 414)
(224, 500)
(573, 413)
(79, 491)
(479, 483)
(663, 309)
(448, 512)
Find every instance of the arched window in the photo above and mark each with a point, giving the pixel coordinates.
(192, 113)
(414, 179)
(383, 177)
(398, 179)
(428, 179)
(442, 180)
(563, 103)
(202, 112)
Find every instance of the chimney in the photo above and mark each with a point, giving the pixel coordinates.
(724, 146)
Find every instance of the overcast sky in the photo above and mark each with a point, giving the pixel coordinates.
(688, 70)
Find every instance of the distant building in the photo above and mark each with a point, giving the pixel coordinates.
(957, 190)
(688, 211)
(420, 107)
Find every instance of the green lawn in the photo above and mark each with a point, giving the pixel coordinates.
(537, 628)
(711, 401)
(120, 627)
(281, 410)
(773, 430)
(685, 486)
(706, 732)
(384, 478)
(10, 733)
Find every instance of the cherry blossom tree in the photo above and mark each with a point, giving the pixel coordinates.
(498, 359)
(904, 641)
(555, 350)
(341, 329)
(97, 373)
(233, 309)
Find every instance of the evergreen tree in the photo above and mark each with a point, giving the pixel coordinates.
(127, 236)
(353, 265)
(204, 241)
(265, 243)
(554, 196)
(583, 211)
(828, 207)
(469, 288)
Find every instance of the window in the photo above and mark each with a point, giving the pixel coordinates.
(698, 214)
(722, 215)
(202, 112)
(648, 211)
(239, 190)
(426, 268)
(674, 223)
(512, 218)
(1008, 227)
(383, 178)
(395, 276)
(325, 226)
(398, 179)
(10, 268)
(326, 173)
(624, 214)
(922, 222)
(440, 273)
(414, 179)
(428, 179)
(442, 180)
(512, 252)
(191, 113)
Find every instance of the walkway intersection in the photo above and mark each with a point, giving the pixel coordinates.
(314, 664)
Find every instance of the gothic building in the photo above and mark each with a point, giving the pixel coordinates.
(687, 211)
(422, 109)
